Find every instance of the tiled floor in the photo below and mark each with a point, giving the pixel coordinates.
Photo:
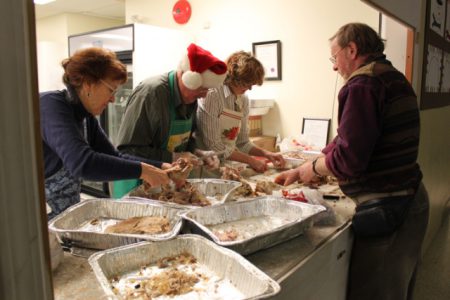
(433, 277)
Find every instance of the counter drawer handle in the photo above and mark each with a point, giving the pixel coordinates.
(340, 254)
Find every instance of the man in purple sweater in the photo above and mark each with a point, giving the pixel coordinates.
(374, 157)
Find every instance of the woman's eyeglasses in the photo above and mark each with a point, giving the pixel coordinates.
(110, 88)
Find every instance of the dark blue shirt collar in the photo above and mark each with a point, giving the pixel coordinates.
(71, 96)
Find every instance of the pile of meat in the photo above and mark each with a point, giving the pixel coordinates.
(182, 193)
(141, 225)
(262, 188)
(180, 171)
(296, 155)
(171, 282)
(185, 195)
(226, 235)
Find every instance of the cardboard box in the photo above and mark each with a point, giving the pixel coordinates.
(264, 142)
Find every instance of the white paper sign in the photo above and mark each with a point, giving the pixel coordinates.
(316, 131)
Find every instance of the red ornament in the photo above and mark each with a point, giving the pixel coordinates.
(181, 11)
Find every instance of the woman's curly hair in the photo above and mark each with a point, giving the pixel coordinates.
(243, 69)
(91, 65)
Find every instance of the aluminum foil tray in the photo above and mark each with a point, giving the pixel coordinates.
(83, 225)
(217, 191)
(296, 158)
(228, 275)
(252, 225)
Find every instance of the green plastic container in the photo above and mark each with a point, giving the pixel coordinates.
(123, 187)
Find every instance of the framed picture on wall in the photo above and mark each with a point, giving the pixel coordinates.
(435, 90)
(269, 54)
(316, 131)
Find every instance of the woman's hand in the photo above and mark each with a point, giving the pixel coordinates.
(186, 155)
(209, 158)
(153, 176)
(276, 158)
(257, 165)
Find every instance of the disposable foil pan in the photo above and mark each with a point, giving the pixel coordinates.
(231, 271)
(217, 191)
(258, 224)
(74, 226)
(296, 158)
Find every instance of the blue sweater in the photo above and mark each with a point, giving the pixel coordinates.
(64, 144)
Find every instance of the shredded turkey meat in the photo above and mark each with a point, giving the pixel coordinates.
(180, 171)
(141, 225)
(185, 195)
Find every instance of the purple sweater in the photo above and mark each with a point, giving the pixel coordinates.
(64, 144)
(378, 135)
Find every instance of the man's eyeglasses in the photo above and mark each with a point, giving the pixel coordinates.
(110, 88)
(333, 57)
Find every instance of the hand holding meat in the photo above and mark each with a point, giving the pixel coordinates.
(153, 176)
(306, 172)
(258, 165)
(209, 158)
(188, 156)
(277, 159)
(180, 171)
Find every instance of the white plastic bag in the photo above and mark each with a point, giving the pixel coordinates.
(296, 143)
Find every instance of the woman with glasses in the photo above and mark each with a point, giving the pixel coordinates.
(222, 116)
(74, 145)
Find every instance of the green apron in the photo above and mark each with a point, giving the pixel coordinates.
(177, 141)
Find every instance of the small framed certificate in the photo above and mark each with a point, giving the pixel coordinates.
(316, 131)
(269, 54)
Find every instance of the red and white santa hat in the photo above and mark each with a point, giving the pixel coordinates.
(201, 69)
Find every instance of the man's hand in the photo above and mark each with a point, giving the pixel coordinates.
(306, 173)
(288, 177)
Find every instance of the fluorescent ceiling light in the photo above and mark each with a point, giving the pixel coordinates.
(42, 2)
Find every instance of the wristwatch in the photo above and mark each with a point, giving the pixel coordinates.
(314, 168)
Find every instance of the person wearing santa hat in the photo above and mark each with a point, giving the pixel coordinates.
(159, 116)
(222, 116)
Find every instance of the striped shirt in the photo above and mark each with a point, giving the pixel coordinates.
(208, 134)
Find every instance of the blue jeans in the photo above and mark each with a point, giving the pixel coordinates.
(384, 267)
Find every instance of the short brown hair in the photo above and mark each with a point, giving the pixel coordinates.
(244, 69)
(91, 65)
(366, 39)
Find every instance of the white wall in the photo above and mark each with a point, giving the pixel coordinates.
(395, 35)
(308, 85)
(52, 43)
(156, 50)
